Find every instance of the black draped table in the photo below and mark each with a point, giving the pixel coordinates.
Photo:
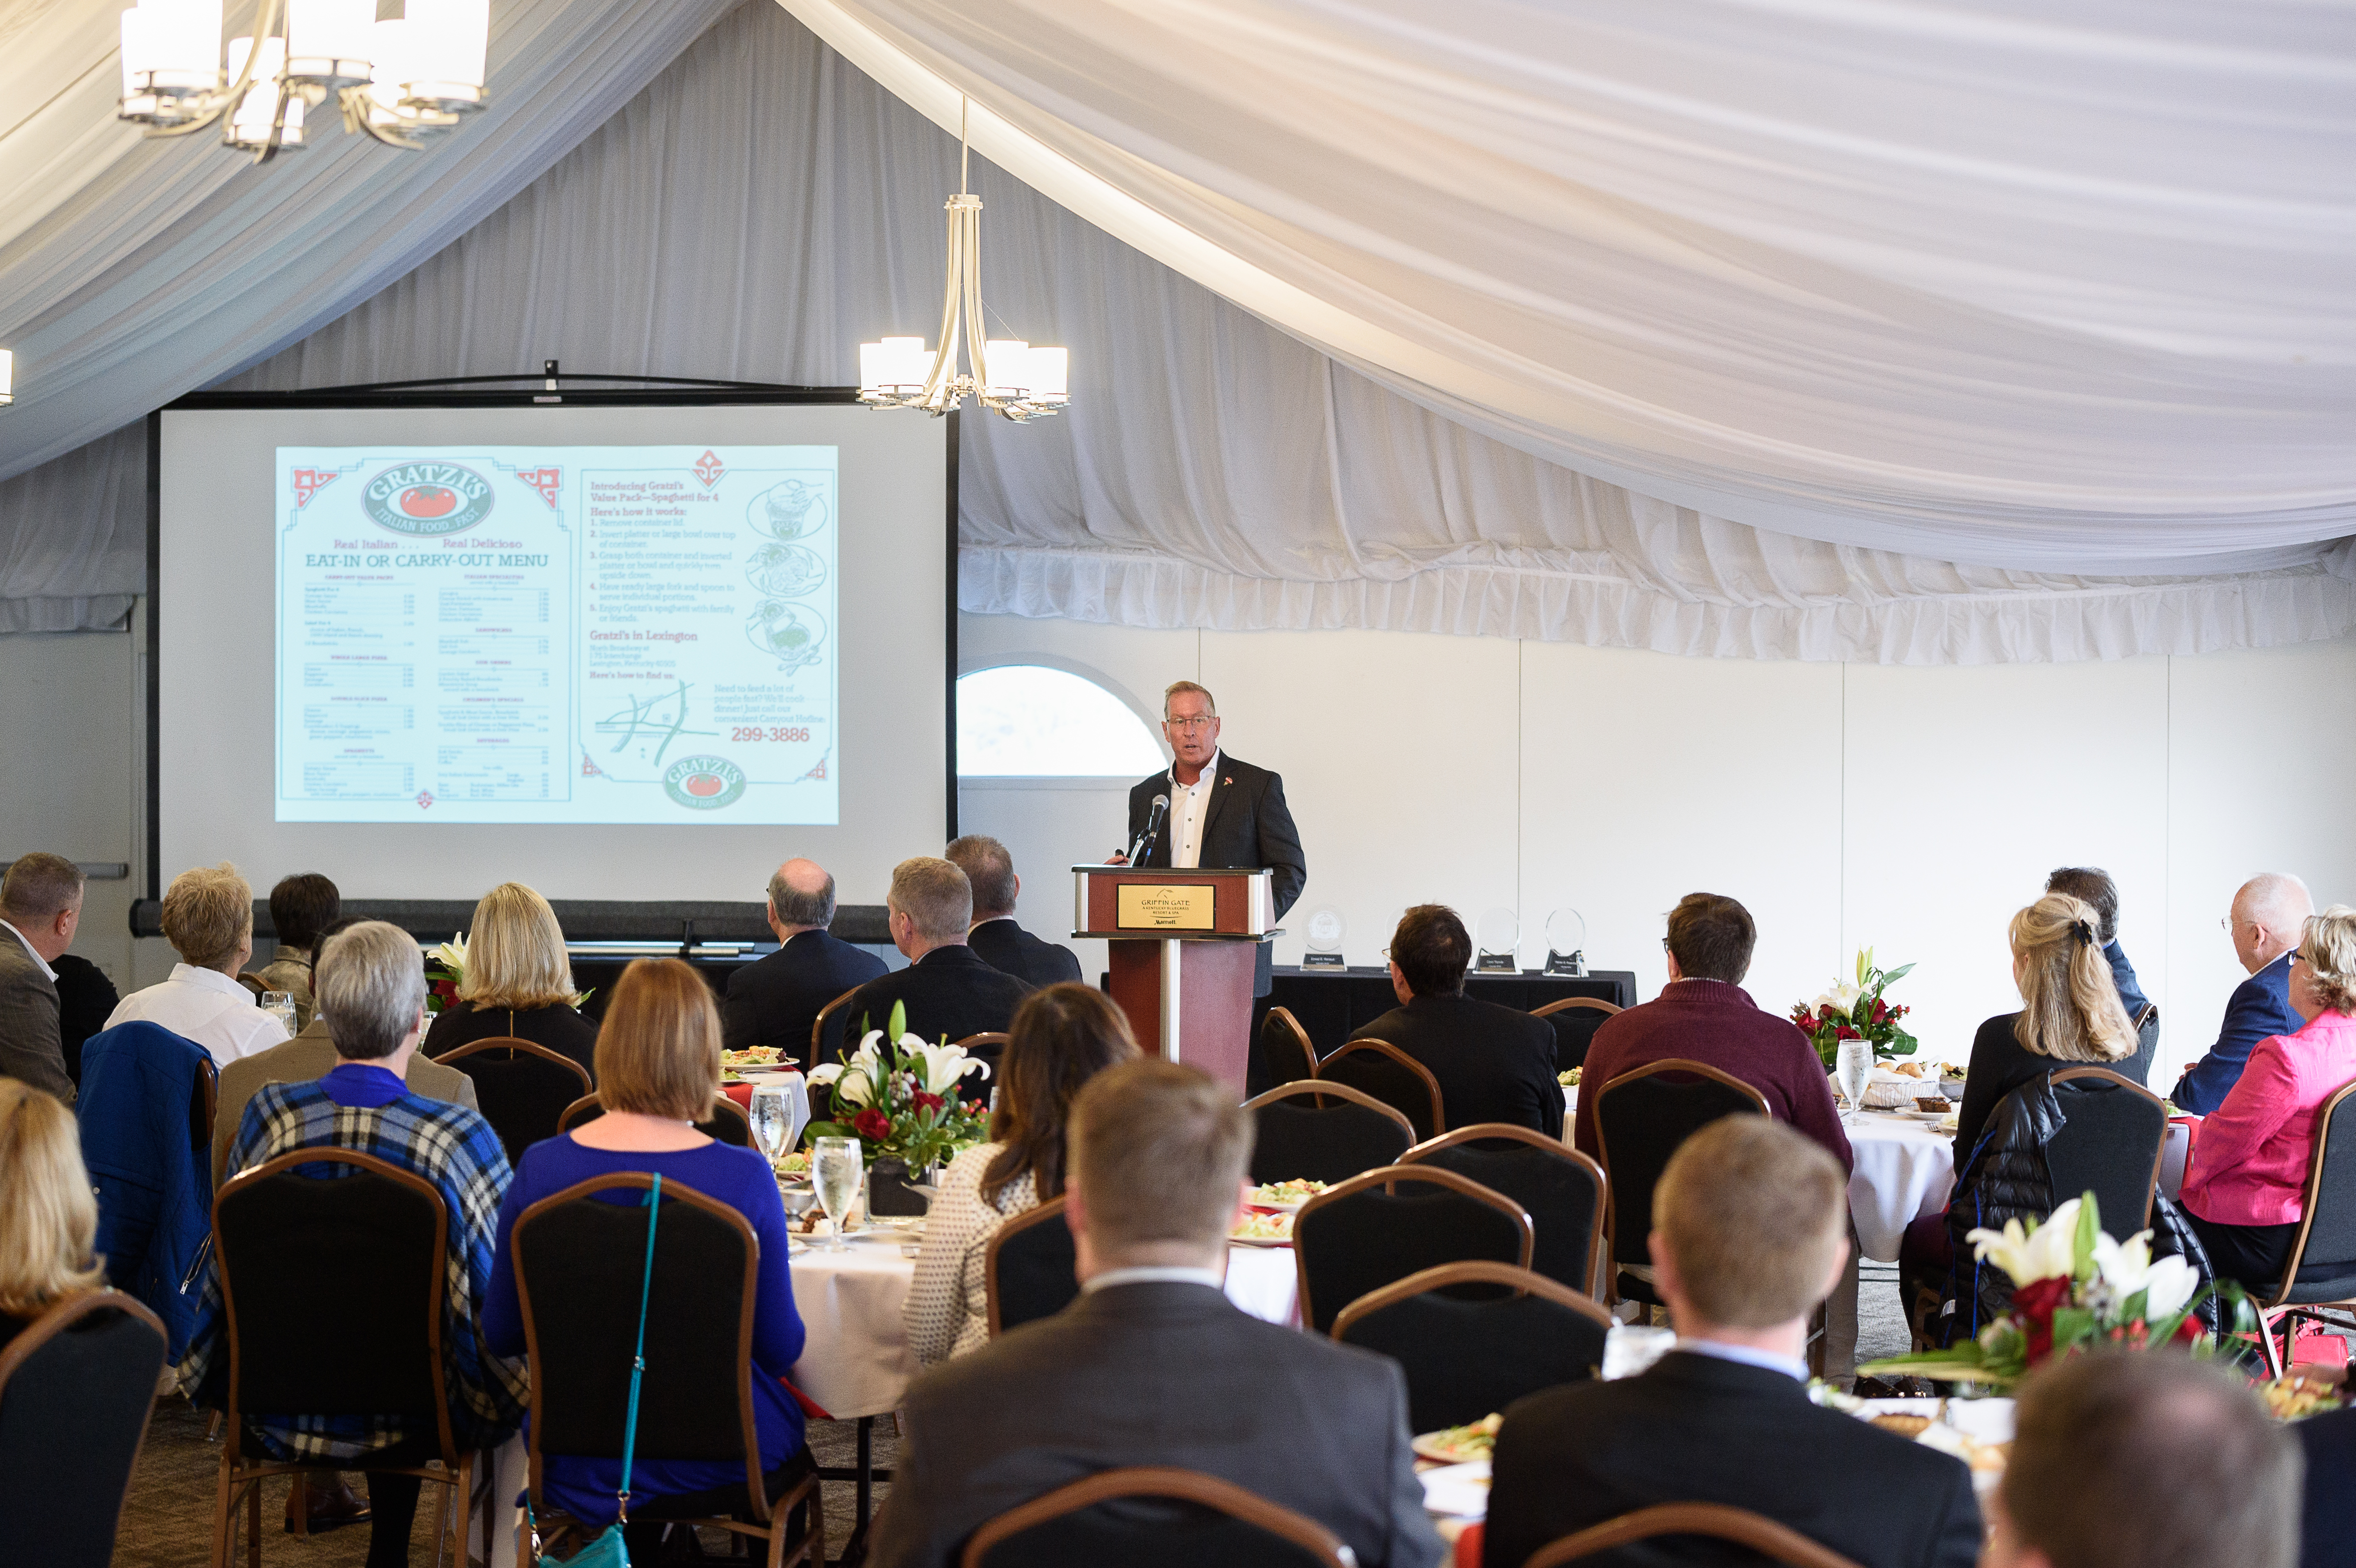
(1333, 1004)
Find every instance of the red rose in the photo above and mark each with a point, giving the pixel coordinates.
(1847, 1033)
(2038, 1301)
(1881, 1009)
(871, 1125)
(927, 1102)
(2189, 1329)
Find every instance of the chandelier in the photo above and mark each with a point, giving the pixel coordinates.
(401, 82)
(1019, 380)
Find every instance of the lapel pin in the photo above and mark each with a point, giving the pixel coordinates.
(1228, 780)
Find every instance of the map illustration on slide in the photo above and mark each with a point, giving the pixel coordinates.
(558, 635)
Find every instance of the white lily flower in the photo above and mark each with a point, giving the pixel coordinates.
(2169, 1286)
(2047, 1252)
(943, 1064)
(451, 953)
(854, 1080)
(2125, 1266)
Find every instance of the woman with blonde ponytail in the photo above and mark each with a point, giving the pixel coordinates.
(48, 1218)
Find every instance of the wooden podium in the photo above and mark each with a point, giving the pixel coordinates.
(1184, 948)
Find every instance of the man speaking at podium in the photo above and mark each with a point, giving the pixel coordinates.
(1222, 814)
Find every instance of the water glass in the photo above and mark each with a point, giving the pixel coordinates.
(1855, 1069)
(772, 1115)
(836, 1173)
(280, 1005)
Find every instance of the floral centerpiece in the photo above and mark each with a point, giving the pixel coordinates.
(1857, 1012)
(2074, 1289)
(898, 1096)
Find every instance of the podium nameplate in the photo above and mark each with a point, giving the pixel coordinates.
(1145, 907)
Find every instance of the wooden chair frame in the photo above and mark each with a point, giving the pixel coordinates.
(1742, 1527)
(1158, 1481)
(1603, 1148)
(523, 1047)
(1051, 1210)
(1474, 1271)
(2120, 1081)
(55, 1321)
(770, 1512)
(1371, 1047)
(1483, 1131)
(723, 1109)
(2279, 1308)
(817, 1024)
(1299, 1036)
(1317, 1089)
(1387, 1178)
(1592, 1004)
(241, 1478)
(974, 1042)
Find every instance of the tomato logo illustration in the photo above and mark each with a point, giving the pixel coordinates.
(427, 497)
(427, 501)
(704, 783)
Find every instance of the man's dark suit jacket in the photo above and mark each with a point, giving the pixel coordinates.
(1493, 1065)
(1697, 1429)
(1006, 946)
(1247, 824)
(774, 1000)
(2259, 1007)
(2327, 1536)
(1158, 1373)
(950, 991)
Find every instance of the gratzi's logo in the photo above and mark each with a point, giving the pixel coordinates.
(428, 498)
(704, 783)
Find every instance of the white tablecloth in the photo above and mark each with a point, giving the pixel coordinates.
(855, 1359)
(1904, 1170)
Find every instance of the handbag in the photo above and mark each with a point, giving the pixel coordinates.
(608, 1550)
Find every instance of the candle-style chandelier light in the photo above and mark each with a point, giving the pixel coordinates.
(1021, 380)
(401, 81)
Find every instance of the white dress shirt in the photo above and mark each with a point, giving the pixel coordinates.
(1153, 1274)
(41, 963)
(1189, 804)
(207, 1007)
(1746, 1355)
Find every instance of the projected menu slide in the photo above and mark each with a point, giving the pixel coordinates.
(559, 635)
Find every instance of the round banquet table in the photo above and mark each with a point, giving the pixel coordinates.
(1904, 1170)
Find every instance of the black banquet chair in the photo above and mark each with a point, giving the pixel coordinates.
(1574, 1020)
(2321, 1269)
(1560, 1189)
(1030, 1269)
(1382, 1070)
(2113, 1134)
(1762, 1539)
(1153, 1517)
(1641, 1117)
(523, 1089)
(580, 1259)
(1280, 1053)
(1389, 1223)
(76, 1387)
(1316, 1131)
(727, 1124)
(1465, 1360)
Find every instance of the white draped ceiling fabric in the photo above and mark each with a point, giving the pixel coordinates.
(1810, 330)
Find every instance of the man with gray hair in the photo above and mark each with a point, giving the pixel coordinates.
(773, 1001)
(40, 907)
(1152, 1365)
(948, 989)
(2268, 915)
(1004, 944)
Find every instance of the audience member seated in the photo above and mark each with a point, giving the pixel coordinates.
(2146, 1461)
(1002, 943)
(2326, 1532)
(774, 1001)
(302, 906)
(657, 1074)
(1494, 1063)
(312, 1054)
(949, 990)
(2269, 914)
(2094, 885)
(48, 1221)
(41, 905)
(519, 982)
(1703, 1015)
(1751, 1223)
(373, 990)
(208, 919)
(1152, 1365)
(1061, 1037)
(2246, 1180)
(86, 998)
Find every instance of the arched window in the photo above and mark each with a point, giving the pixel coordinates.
(1030, 721)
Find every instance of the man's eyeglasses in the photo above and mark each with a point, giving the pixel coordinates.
(1191, 725)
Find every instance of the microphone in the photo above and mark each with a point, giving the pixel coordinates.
(1144, 844)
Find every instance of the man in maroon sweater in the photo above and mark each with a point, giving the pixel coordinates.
(1703, 1015)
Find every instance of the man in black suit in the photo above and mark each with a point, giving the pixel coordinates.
(1494, 1063)
(1002, 943)
(1223, 812)
(1751, 1227)
(774, 1001)
(949, 990)
(1152, 1365)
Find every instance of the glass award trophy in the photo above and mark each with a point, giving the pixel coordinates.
(1500, 935)
(1566, 931)
(1326, 928)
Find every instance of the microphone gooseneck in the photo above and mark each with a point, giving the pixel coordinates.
(1145, 840)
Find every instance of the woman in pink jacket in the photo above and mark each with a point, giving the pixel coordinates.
(2248, 1171)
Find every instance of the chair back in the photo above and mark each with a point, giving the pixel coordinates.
(2136, 1069)
(76, 1387)
(1775, 1542)
(2112, 1134)
(1574, 1020)
(989, 1046)
(1389, 1223)
(826, 1029)
(1030, 1269)
(1155, 1517)
(2322, 1267)
(579, 1256)
(299, 1239)
(1316, 1131)
(1392, 1076)
(727, 1124)
(523, 1089)
(253, 983)
(1641, 1118)
(1282, 1051)
(1464, 1360)
(1560, 1189)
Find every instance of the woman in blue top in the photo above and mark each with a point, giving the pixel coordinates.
(658, 1073)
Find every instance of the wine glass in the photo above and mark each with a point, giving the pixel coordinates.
(280, 1005)
(772, 1117)
(836, 1171)
(1855, 1067)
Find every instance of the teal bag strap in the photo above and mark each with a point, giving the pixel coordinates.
(638, 1353)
